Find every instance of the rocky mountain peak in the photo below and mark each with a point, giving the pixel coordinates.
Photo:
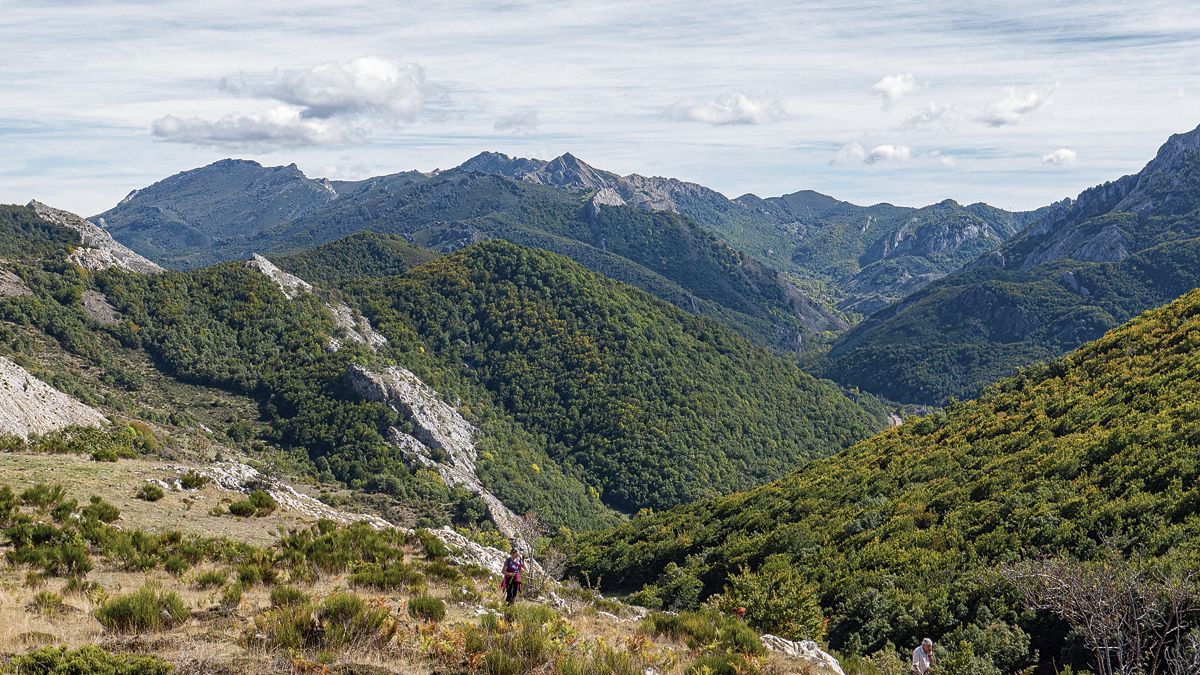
(99, 251)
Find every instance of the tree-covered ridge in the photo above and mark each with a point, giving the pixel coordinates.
(365, 254)
(25, 236)
(1089, 265)
(899, 532)
(656, 406)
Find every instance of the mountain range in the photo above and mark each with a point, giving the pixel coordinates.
(1085, 266)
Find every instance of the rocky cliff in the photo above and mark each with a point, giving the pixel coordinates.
(442, 439)
(99, 251)
(29, 407)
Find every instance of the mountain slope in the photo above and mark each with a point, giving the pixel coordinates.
(866, 256)
(898, 533)
(1086, 266)
(232, 204)
(653, 406)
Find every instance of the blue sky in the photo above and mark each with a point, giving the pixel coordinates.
(1015, 103)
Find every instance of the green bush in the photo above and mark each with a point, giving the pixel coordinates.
(434, 548)
(88, 659)
(143, 610)
(341, 621)
(704, 628)
(193, 480)
(426, 608)
(287, 596)
(175, 565)
(395, 576)
(47, 602)
(42, 496)
(211, 579)
(100, 510)
(264, 504)
(149, 492)
(777, 599)
(105, 455)
(231, 597)
(242, 509)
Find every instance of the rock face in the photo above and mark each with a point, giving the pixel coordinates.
(96, 306)
(12, 286)
(291, 285)
(439, 430)
(806, 651)
(99, 251)
(29, 407)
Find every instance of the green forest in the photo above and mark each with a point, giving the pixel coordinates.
(900, 536)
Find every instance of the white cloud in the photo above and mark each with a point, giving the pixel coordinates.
(368, 85)
(1015, 106)
(888, 153)
(521, 122)
(849, 154)
(279, 126)
(734, 108)
(1061, 157)
(854, 153)
(892, 87)
(928, 116)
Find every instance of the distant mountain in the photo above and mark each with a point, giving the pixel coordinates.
(897, 537)
(1087, 265)
(867, 257)
(231, 209)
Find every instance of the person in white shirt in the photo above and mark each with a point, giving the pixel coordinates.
(923, 658)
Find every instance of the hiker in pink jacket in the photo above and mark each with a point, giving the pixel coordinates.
(511, 584)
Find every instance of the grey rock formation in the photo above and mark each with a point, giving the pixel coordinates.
(96, 306)
(806, 651)
(29, 407)
(12, 286)
(437, 426)
(99, 251)
(355, 327)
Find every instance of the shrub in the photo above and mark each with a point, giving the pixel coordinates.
(193, 481)
(175, 565)
(777, 600)
(87, 659)
(242, 509)
(143, 610)
(149, 492)
(425, 608)
(264, 504)
(705, 627)
(105, 455)
(100, 510)
(348, 621)
(434, 548)
(395, 576)
(47, 602)
(42, 496)
(231, 597)
(211, 579)
(288, 596)
(440, 570)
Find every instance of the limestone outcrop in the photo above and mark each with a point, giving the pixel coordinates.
(29, 406)
(99, 251)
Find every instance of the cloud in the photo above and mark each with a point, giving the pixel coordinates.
(854, 153)
(892, 87)
(521, 122)
(368, 85)
(927, 116)
(327, 104)
(281, 126)
(1015, 106)
(1061, 157)
(849, 154)
(734, 108)
(888, 153)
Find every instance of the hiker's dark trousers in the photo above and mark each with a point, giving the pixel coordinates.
(510, 591)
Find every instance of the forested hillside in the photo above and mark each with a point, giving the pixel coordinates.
(898, 537)
(656, 407)
(1087, 266)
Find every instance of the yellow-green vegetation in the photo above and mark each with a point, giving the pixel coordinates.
(899, 536)
(320, 597)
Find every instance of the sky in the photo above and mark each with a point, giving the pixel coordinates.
(1015, 103)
